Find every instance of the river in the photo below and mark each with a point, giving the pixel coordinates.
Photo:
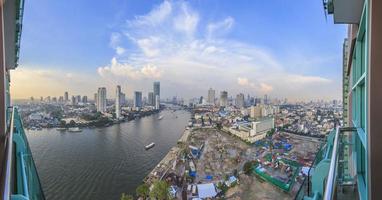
(102, 163)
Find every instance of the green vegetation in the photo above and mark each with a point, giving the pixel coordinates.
(126, 197)
(143, 190)
(160, 190)
(248, 166)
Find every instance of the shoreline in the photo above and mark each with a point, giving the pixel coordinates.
(168, 161)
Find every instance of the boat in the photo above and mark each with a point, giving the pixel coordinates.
(61, 129)
(75, 129)
(149, 146)
(160, 117)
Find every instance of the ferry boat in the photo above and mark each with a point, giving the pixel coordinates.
(149, 146)
(160, 117)
(75, 129)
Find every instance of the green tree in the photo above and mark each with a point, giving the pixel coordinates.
(247, 168)
(160, 190)
(142, 190)
(62, 123)
(72, 123)
(127, 197)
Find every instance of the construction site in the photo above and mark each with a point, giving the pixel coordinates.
(211, 156)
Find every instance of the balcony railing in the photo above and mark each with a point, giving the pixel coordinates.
(19, 180)
(328, 171)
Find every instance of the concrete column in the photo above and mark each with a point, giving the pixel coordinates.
(2, 75)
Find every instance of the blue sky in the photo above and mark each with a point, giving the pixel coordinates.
(278, 48)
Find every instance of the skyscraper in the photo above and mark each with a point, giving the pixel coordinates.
(240, 100)
(118, 102)
(66, 96)
(122, 99)
(73, 101)
(157, 88)
(101, 99)
(78, 100)
(95, 99)
(157, 102)
(211, 96)
(137, 99)
(223, 98)
(85, 99)
(151, 99)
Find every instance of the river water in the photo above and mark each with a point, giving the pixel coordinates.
(102, 163)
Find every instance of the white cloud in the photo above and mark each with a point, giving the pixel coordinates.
(188, 57)
(155, 16)
(149, 46)
(218, 28)
(187, 20)
(125, 70)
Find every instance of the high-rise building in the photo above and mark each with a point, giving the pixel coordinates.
(85, 99)
(118, 102)
(137, 99)
(73, 101)
(101, 99)
(66, 96)
(151, 99)
(354, 164)
(240, 100)
(345, 82)
(95, 98)
(223, 98)
(157, 102)
(156, 88)
(78, 99)
(61, 99)
(211, 96)
(123, 99)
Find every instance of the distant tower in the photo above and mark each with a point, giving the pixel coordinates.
(223, 98)
(85, 99)
(101, 99)
(95, 99)
(66, 96)
(137, 99)
(157, 88)
(157, 94)
(157, 102)
(73, 102)
(118, 102)
(211, 96)
(240, 100)
(151, 99)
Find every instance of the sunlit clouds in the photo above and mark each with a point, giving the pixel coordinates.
(176, 43)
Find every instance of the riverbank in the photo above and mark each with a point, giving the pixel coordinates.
(168, 162)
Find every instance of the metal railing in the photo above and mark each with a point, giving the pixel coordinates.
(19, 178)
(332, 175)
(7, 158)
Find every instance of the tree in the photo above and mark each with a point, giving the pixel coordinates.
(127, 197)
(142, 190)
(72, 123)
(63, 123)
(160, 190)
(247, 168)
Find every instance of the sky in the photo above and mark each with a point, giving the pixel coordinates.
(280, 48)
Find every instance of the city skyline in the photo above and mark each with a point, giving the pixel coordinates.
(222, 50)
